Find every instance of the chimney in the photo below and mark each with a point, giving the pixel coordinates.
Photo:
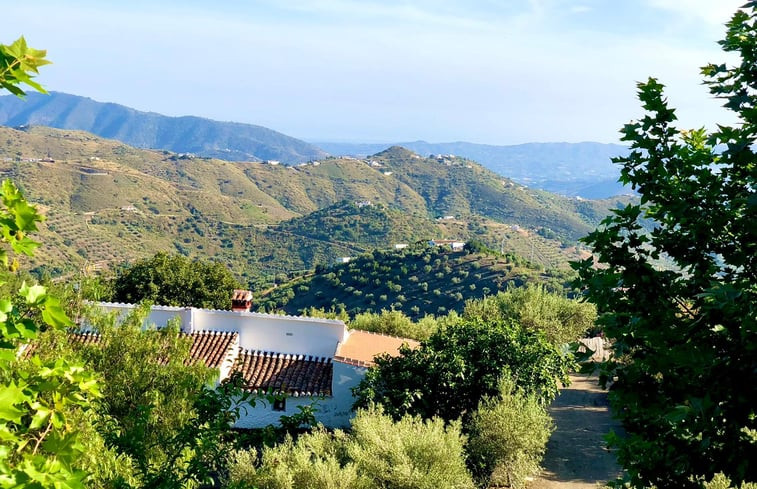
(241, 300)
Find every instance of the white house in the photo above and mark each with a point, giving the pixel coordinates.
(306, 359)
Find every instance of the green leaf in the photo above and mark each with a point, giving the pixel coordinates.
(54, 315)
(34, 295)
(10, 396)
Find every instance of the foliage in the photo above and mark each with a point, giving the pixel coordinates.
(395, 323)
(377, 453)
(508, 435)
(149, 390)
(18, 65)
(173, 280)
(460, 365)
(720, 481)
(561, 319)
(401, 280)
(38, 445)
(161, 421)
(408, 453)
(685, 339)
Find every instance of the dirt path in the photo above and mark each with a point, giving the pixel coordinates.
(576, 456)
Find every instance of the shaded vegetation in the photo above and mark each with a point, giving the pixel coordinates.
(418, 280)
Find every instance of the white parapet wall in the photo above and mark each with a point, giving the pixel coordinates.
(264, 332)
(275, 333)
(159, 315)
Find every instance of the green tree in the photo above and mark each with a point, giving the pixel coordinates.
(39, 446)
(685, 337)
(173, 280)
(161, 421)
(149, 389)
(459, 365)
(563, 320)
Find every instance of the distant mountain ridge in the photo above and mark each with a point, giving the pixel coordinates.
(571, 169)
(203, 137)
(107, 202)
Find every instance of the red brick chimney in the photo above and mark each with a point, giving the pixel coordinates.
(241, 300)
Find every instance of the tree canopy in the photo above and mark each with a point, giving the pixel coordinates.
(685, 338)
(459, 365)
(174, 280)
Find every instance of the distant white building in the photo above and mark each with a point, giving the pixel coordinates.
(400, 246)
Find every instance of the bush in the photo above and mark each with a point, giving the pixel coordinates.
(314, 460)
(461, 364)
(720, 481)
(394, 323)
(563, 320)
(508, 437)
(409, 453)
(378, 453)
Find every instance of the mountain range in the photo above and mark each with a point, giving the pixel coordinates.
(203, 137)
(572, 169)
(108, 203)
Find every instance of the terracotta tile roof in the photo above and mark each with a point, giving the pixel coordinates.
(212, 347)
(84, 337)
(296, 375)
(76, 337)
(362, 346)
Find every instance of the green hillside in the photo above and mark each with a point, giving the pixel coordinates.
(418, 280)
(108, 203)
(462, 188)
(374, 225)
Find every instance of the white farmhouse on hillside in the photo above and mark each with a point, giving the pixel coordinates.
(307, 359)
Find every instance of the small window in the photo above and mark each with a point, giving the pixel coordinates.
(280, 405)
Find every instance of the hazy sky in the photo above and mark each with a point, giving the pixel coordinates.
(489, 71)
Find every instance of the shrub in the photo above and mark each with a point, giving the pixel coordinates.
(508, 436)
(720, 481)
(563, 320)
(378, 453)
(314, 460)
(409, 453)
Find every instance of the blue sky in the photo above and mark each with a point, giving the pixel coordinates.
(499, 72)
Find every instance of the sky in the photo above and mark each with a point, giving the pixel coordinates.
(485, 71)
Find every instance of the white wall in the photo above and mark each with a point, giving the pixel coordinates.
(273, 333)
(265, 332)
(159, 315)
(332, 412)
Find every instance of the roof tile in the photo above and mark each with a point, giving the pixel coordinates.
(297, 375)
